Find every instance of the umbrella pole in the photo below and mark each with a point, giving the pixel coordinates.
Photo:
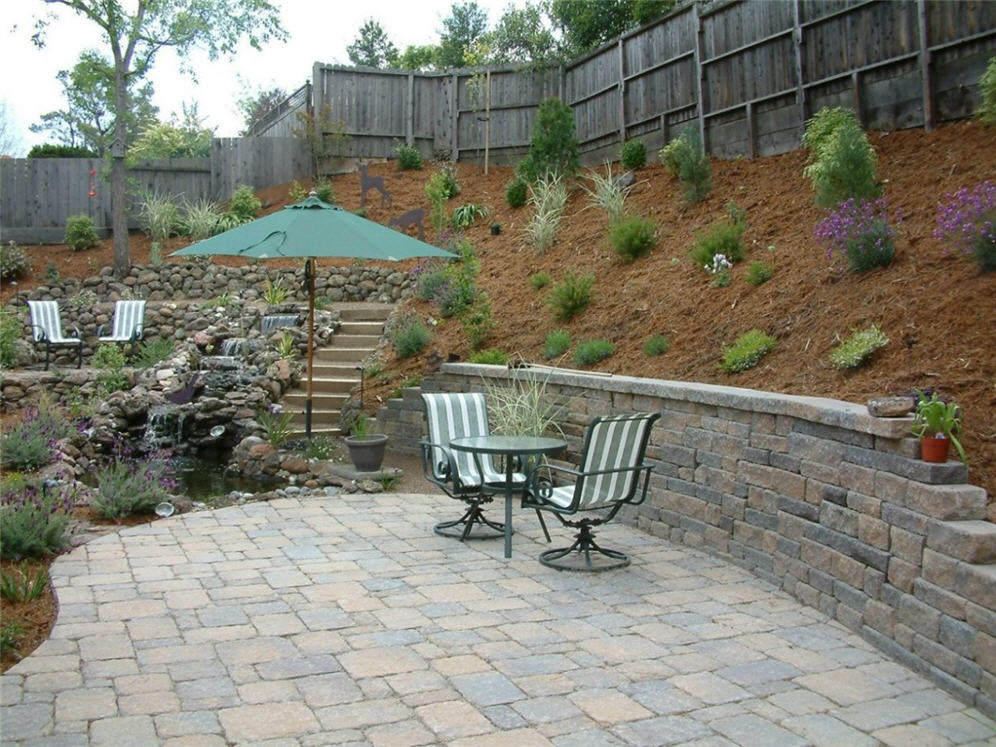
(309, 271)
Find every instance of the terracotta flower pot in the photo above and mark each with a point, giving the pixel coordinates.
(934, 449)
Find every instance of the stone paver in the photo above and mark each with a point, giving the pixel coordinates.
(345, 620)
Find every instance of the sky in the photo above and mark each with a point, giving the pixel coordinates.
(317, 32)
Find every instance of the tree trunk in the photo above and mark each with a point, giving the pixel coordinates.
(119, 204)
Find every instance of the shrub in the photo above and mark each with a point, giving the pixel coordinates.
(430, 278)
(859, 230)
(80, 232)
(200, 219)
(570, 296)
(747, 351)
(722, 238)
(14, 261)
(158, 215)
(687, 160)
(466, 215)
(478, 323)
(656, 345)
(607, 193)
(842, 161)
(276, 423)
(540, 280)
(323, 191)
(759, 273)
(437, 189)
(556, 344)
(409, 335)
(409, 159)
(517, 192)
(297, 192)
(52, 150)
(633, 154)
(244, 204)
(987, 94)
(491, 356)
(633, 237)
(153, 351)
(11, 330)
(109, 360)
(30, 443)
(33, 522)
(451, 286)
(554, 151)
(967, 219)
(858, 348)
(126, 486)
(589, 352)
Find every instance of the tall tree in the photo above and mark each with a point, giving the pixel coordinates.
(135, 35)
(88, 119)
(255, 105)
(585, 25)
(465, 24)
(372, 47)
(521, 37)
(418, 57)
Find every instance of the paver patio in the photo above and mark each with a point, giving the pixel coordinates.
(345, 620)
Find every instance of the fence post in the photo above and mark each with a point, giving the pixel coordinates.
(797, 42)
(699, 74)
(926, 75)
(622, 92)
(410, 131)
(856, 93)
(455, 103)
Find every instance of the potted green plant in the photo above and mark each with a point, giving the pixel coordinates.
(495, 228)
(366, 448)
(938, 424)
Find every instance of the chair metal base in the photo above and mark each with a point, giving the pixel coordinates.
(584, 555)
(472, 525)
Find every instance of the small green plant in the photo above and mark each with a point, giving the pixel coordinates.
(84, 300)
(735, 213)
(633, 237)
(159, 215)
(607, 193)
(276, 423)
(319, 447)
(556, 343)
(224, 301)
(548, 196)
(52, 272)
(21, 585)
(686, 159)
(200, 219)
(936, 418)
(275, 293)
(154, 351)
(361, 426)
(842, 162)
(285, 347)
(127, 486)
(11, 329)
(323, 191)
(656, 345)
(747, 351)
(522, 407)
(244, 204)
(722, 238)
(858, 348)
(633, 154)
(478, 322)
(109, 360)
(554, 150)
(491, 356)
(466, 215)
(759, 273)
(540, 280)
(11, 634)
(987, 94)
(409, 159)
(33, 522)
(81, 233)
(14, 261)
(570, 296)
(437, 190)
(297, 192)
(409, 335)
(590, 352)
(517, 192)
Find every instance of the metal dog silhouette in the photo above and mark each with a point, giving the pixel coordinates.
(411, 218)
(372, 182)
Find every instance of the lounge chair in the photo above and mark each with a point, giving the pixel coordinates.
(612, 475)
(129, 323)
(46, 327)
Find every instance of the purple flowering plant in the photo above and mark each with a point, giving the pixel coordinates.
(33, 521)
(966, 220)
(276, 423)
(32, 442)
(860, 232)
(127, 485)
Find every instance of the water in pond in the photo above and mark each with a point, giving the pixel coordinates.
(203, 477)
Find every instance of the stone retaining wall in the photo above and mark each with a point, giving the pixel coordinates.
(816, 496)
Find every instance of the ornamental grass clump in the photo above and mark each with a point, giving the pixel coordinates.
(159, 216)
(966, 220)
(33, 521)
(590, 352)
(859, 232)
(129, 487)
(276, 424)
(633, 237)
(607, 193)
(548, 196)
(556, 344)
(747, 351)
(858, 348)
(521, 408)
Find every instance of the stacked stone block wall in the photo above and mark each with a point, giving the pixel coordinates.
(815, 495)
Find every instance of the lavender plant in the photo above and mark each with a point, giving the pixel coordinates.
(126, 486)
(859, 231)
(33, 521)
(966, 219)
(32, 442)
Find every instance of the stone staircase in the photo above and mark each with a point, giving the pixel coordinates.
(337, 368)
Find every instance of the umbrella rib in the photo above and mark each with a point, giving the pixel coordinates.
(281, 233)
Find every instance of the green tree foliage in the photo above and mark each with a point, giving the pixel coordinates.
(255, 105)
(417, 57)
(186, 139)
(372, 48)
(466, 23)
(88, 119)
(521, 38)
(52, 150)
(135, 33)
(585, 24)
(555, 149)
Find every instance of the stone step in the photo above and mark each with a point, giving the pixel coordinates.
(342, 354)
(340, 340)
(320, 418)
(365, 312)
(374, 329)
(297, 399)
(972, 541)
(316, 430)
(323, 383)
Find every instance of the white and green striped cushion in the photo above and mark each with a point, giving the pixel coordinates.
(46, 323)
(129, 317)
(451, 416)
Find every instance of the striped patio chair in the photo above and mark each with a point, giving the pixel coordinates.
(471, 478)
(612, 475)
(46, 327)
(129, 323)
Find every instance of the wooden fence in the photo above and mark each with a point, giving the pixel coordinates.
(746, 73)
(37, 195)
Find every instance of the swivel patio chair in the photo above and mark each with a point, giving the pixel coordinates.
(471, 478)
(46, 327)
(129, 323)
(612, 475)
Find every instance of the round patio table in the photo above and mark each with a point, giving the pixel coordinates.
(508, 447)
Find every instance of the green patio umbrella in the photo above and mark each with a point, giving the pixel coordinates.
(313, 229)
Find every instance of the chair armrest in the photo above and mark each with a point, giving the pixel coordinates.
(139, 333)
(448, 467)
(78, 335)
(539, 489)
(42, 337)
(100, 330)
